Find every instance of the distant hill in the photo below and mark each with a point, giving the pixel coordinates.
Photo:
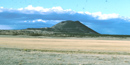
(68, 27)
(64, 28)
(73, 27)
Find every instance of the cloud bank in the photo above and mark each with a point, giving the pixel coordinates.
(37, 17)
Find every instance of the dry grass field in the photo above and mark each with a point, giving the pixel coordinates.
(86, 51)
(77, 44)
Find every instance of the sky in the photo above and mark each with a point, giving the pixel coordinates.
(103, 16)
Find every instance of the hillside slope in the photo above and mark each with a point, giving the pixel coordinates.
(73, 27)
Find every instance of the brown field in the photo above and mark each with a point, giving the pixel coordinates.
(26, 50)
(73, 44)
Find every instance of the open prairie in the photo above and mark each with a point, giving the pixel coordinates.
(65, 44)
(63, 51)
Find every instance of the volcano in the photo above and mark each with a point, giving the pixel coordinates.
(68, 27)
(73, 27)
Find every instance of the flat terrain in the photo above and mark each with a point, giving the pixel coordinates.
(63, 51)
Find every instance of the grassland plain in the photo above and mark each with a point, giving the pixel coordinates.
(29, 50)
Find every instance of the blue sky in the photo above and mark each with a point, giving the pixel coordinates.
(104, 6)
(104, 16)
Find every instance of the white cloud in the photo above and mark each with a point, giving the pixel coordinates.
(20, 9)
(37, 20)
(44, 21)
(40, 20)
(101, 16)
(59, 10)
(88, 13)
(1, 7)
(81, 12)
(40, 9)
(30, 9)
